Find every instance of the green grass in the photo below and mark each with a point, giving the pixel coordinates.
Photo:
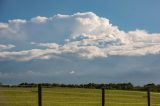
(74, 97)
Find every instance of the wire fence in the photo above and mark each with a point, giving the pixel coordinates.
(76, 97)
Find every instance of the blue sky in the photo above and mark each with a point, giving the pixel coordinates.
(128, 15)
(81, 41)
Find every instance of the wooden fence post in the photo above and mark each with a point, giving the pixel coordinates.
(103, 96)
(39, 95)
(148, 96)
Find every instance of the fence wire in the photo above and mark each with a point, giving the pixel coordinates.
(75, 97)
(130, 98)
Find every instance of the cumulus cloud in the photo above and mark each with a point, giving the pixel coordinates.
(39, 19)
(13, 30)
(83, 34)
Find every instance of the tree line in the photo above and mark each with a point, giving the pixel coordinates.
(112, 86)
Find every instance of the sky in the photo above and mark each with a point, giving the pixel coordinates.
(83, 41)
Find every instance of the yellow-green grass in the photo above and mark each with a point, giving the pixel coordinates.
(74, 97)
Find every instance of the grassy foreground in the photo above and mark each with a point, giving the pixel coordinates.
(74, 97)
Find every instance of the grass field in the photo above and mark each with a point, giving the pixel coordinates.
(74, 97)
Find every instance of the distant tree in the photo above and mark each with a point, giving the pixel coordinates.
(151, 86)
(113, 86)
(0, 83)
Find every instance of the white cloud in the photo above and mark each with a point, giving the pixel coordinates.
(27, 55)
(48, 45)
(84, 34)
(17, 21)
(3, 26)
(72, 72)
(4, 47)
(143, 36)
(13, 30)
(39, 19)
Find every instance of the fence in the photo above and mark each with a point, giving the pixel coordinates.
(76, 97)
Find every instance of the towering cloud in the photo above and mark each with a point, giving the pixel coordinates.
(84, 35)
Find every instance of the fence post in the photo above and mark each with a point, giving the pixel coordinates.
(103, 96)
(39, 95)
(148, 96)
